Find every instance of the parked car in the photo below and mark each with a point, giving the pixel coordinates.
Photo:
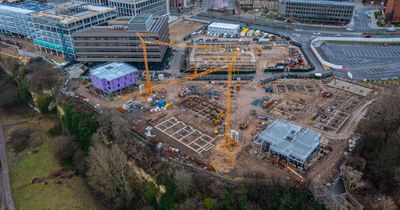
(391, 29)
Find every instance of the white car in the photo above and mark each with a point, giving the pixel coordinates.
(391, 29)
(316, 33)
(349, 29)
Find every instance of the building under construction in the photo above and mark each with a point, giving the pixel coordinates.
(288, 142)
(53, 28)
(219, 54)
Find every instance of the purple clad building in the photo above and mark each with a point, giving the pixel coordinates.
(114, 76)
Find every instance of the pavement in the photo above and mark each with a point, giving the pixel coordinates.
(5, 172)
(176, 62)
(365, 61)
(364, 67)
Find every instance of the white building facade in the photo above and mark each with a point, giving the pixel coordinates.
(221, 28)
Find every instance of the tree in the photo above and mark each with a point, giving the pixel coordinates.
(185, 183)
(110, 175)
(380, 142)
(150, 195)
(80, 125)
(10, 65)
(20, 138)
(352, 178)
(209, 203)
(43, 103)
(42, 79)
(64, 149)
(168, 199)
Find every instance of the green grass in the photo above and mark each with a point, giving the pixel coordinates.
(72, 194)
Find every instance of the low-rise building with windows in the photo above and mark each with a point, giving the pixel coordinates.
(290, 143)
(317, 11)
(221, 28)
(112, 77)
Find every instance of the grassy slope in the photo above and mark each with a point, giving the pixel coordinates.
(72, 194)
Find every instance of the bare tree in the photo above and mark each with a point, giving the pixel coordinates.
(185, 182)
(353, 178)
(110, 174)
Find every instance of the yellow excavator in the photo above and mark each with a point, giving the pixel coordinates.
(218, 119)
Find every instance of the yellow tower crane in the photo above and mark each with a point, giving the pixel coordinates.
(228, 139)
(143, 45)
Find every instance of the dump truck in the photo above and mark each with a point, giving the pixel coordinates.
(244, 32)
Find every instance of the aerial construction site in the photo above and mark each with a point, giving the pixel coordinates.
(223, 113)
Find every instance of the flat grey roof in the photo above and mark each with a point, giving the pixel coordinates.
(290, 140)
(114, 70)
(327, 2)
(95, 31)
(224, 25)
(15, 9)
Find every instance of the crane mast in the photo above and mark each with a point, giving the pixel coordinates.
(228, 99)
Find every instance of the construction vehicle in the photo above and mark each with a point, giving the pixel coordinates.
(244, 125)
(219, 130)
(237, 86)
(218, 119)
(259, 50)
(367, 34)
(143, 45)
(326, 94)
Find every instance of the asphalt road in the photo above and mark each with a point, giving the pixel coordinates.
(5, 173)
(365, 61)
(176, 62)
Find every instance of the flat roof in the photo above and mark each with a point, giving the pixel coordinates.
(95, 31)
(290, 140)
(224, 25)
(15, 9)
(25, 7)
(89, 11)
(114, 70)
(327, 2)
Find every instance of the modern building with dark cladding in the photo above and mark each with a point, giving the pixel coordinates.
(317, 11)
(118, 41)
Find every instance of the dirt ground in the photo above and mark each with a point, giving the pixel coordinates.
(277, 54)
(296, 100)
(28, 46)
(182, 28)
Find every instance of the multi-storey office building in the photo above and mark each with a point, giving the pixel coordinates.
(180, 4)
(53, 28)
(136, 7)
(119, 41)
(317, 11)
(132, 8)
(15, 17)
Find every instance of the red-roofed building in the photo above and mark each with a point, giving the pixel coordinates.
(392, 11)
